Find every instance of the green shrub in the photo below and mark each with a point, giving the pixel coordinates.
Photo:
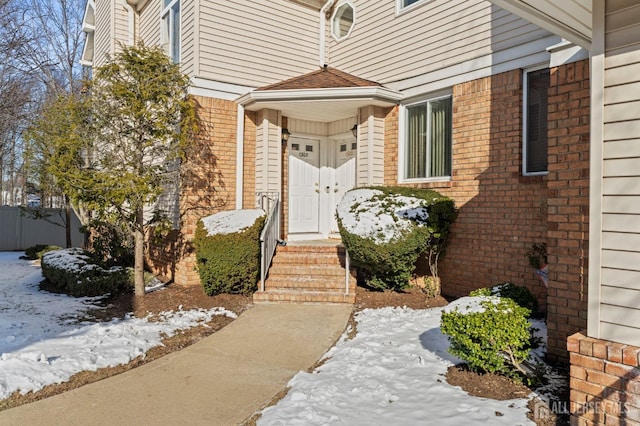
(390, 264)
(481, 292)
(36, 252)
(494, 338)
(110, 244)
(229, 263)
(386, 266)
(519, 294)
(74, 272)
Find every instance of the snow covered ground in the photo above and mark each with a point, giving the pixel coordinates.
(391, 373)
(43, 339)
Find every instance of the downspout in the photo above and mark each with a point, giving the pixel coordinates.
(323, 36)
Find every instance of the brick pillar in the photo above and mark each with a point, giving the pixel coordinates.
(249, 165)
(604, 382)
(391, 147)
(284, 190)
(568, 199)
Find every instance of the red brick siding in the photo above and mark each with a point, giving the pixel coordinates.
(249, 161)
(604, 382)
(208, 182)
(501, 213)
(284, 191)
(568, 204)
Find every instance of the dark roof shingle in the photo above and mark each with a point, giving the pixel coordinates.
(324, 78)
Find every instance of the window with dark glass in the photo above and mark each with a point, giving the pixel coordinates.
(428, 139)
(406, 3)
(535, 126)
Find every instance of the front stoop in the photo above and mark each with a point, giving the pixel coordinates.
(308, 274)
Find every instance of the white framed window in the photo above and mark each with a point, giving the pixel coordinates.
(402, 5)
(426, 140)
(171, 29)
(535, 102)
(343, 20)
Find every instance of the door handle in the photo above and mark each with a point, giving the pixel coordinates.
(327, 189)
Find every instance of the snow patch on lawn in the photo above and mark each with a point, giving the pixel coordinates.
(43, 339)
(231, 221)
(392, 372)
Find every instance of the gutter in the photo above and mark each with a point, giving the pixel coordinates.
(323, 36)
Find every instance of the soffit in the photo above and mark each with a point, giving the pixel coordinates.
(570, 19)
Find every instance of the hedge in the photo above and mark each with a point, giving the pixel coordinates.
(230, 262)
(74, 272)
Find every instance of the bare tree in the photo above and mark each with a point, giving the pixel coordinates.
(45, 38)
(15, 102)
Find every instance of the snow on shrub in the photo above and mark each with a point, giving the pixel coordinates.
(519, 294)
(73, 271)
(386, 229)
(228, 251)
(490, 333)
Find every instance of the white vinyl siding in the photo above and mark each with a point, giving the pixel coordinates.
(256, 43)
(437, 41)
(150, 23)
(305, 127)
(121, 24)
(341, 126)
(268, 151)
(618, 310)
(102, 34)
(370, 153)
(188, 37)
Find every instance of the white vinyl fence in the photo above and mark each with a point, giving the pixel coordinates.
(19, 232)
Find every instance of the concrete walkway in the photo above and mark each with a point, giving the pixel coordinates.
(221, 380)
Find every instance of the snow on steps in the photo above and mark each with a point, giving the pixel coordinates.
(307, 274)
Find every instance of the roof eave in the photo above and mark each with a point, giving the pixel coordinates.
(546, 19)
(337, 93)
(138, 4)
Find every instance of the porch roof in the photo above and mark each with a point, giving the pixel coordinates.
(323, 95)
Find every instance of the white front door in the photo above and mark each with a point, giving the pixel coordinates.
(345, 173)
(304, 189)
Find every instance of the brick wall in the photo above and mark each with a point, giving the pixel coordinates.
(501, 213)
(249, 162)
(568, 204)
(208, 183)
(391, 147)
(604, 382)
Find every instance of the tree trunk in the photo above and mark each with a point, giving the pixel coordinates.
(67, 221)
(139, 253)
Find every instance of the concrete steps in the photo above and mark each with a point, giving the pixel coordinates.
(308, 274)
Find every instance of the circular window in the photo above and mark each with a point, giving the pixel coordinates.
(342, 21)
